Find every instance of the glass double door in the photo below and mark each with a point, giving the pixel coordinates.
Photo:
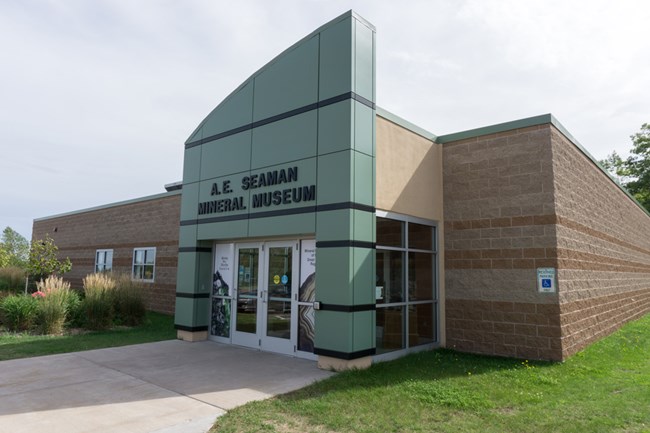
(265, 295)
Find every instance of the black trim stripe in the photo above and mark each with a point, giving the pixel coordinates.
(285, 115)
(344, 355)
(192, 295)
(194, 250)
(191, 328)
(282, 212)
(345, 243)
(347, 308)
(345, 205)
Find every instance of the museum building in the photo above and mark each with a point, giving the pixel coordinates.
(310, 222)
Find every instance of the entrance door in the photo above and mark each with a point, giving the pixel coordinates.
(248, 259)
(266, 291)
(279, 292)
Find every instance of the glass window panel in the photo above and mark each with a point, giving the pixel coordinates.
(390, 233)
(108, 262)
(247, 290)
(137, 272)
(421, 272)
(278, 319)
(421, 324)
(100, 257)
(150, 256)
(390, 329)
(390, 277)
(420, 236)
(139, 257)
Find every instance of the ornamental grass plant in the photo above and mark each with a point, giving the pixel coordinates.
(99, 289)
(54, 298)
(19, 312)
(129, 300)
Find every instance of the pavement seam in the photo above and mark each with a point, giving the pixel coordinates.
(150, 383)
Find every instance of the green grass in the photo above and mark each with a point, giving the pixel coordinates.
(156, 327)
(605, 388)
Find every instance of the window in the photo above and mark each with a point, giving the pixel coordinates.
(103, 260)
(406, 287)
(144, 264)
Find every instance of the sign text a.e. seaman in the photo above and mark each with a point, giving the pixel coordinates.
(275, 197)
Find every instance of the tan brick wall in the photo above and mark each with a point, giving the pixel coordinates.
(603, 241)
(149, 223)
(529, 198)
(499, 227)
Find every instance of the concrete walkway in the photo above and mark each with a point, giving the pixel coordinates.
(166, 387)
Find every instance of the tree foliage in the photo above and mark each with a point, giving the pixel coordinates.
(634, 172)
(43, 260)
(14, 249)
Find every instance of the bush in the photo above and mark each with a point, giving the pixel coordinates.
(129, 300)
(54, 297)
(98, 303)
(19, 312)
(12, 278)
(76, 313)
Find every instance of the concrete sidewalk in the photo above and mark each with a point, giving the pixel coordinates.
(165, 387)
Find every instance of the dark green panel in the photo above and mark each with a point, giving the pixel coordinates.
(334, 330)
(233, 112)
(335, 178)
(282, 225)
(363, 323)
(226, 156)
(192, 165)
(364, 84)
(336, 59)
(335, 127)
(289, 139)
(334, 276)
(289, 82)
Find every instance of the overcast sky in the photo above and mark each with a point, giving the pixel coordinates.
(98, 97)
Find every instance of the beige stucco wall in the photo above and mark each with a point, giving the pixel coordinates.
(409, 172)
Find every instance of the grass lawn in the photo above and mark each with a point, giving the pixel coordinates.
(605, 388)
(156, 327)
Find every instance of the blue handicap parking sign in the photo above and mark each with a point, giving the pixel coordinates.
(546, 282)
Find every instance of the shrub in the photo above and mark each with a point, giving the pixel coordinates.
(98, 302)
(19, 312)
(12, 278)
(53, 296)
(129, 300)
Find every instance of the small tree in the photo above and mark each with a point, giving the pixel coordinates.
(634, 172)
(14, 249)
(43, 260)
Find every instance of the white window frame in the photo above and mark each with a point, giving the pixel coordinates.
(107, 265)
(133, 264)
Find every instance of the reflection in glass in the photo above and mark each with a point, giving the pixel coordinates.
(420, 237)
(390, 233)
(390, 277)
(278, 318)
(390, 329)
(247, 290)
(421, 324)
(421, 271)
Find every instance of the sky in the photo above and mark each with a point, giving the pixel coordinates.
(98, 97)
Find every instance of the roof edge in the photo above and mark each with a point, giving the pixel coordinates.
(405, 124)
(110, 205)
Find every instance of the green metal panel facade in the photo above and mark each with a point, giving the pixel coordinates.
(310, 113)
